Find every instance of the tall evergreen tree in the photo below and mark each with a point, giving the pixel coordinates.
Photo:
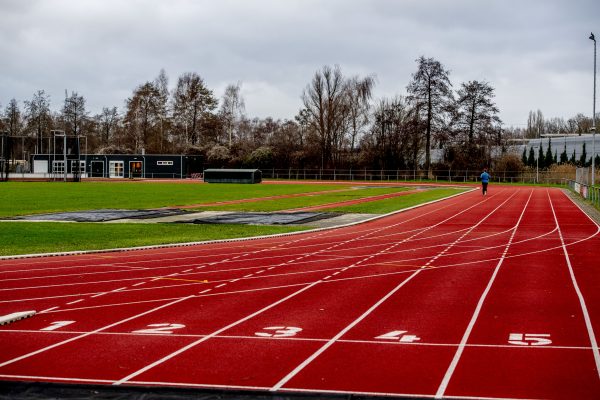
(583, 158)
(524, 156)
(531, 158)
(548, 158)
(541, 160)
(564, 158)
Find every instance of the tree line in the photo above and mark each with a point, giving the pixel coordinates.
(545, 158)
(339, 123)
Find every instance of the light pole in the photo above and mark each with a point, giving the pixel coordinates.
(594, 118)
(537, 159)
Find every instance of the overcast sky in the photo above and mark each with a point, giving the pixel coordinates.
(536, 54)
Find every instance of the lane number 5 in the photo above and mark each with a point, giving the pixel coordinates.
(529, 339)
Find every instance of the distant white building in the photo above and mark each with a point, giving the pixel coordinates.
(573, 142)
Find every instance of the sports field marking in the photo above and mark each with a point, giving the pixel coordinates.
(193, 344)
(507, 256)
(252, 315)
(323, 348)
(451, 368)
(27, 355)
(52, 329)
(584, 310)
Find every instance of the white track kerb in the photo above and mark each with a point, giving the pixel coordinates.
(162, 246)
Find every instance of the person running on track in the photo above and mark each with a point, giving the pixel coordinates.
(485, 178)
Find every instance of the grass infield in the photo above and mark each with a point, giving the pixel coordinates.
(21, 198)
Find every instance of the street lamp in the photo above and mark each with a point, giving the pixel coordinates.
(594, 118)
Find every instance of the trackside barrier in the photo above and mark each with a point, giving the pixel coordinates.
(590, 193)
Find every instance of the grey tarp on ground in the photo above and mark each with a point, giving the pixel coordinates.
(100, 215)
(275, 218)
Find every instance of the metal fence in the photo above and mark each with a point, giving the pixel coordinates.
(547, 177)
(590, 193)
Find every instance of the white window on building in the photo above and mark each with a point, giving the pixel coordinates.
(81, 166)
(58, 167)
(116, 169)
(164, 163)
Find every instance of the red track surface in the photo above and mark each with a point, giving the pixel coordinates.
(474, 296)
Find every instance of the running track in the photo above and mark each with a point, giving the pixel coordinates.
(481, 297)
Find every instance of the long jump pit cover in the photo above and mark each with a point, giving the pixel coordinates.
(277, 218)
(100, 215)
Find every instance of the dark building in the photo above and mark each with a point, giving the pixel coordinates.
(119, 165)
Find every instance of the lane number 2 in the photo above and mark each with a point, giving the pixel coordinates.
(160, 329)
(529, 339)
(279, 331)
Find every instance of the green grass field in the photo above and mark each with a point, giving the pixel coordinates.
(22, 198)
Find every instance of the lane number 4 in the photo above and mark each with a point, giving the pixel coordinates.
(399, 336)
(529, 339)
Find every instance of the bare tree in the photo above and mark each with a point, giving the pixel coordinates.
(359, 92)
(107, 120)
(192, 102)
(325, 100)
(431, 85)
(38, 117)
(535, 124)
(232, 109)
(74, 113)
(476, 114)
(142, 117)
(13, 118)
(162, 85)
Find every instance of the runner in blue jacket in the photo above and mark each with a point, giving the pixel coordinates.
(485, 178)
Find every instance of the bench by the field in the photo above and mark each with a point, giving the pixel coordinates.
(232, 176)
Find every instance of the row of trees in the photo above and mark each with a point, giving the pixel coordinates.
(538, 125)
(545, 159)
(339, 124)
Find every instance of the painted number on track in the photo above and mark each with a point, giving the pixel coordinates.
(160, 329)
(529, 339)
(279, 331)
(399, 336)
(56, 325)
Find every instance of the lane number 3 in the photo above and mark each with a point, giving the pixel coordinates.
(279, 331)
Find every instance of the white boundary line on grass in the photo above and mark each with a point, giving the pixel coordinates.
(161, 246)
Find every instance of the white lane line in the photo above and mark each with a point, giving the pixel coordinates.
(215, 333)
(452, 367)
(221, 285)
(586, 314)
(33, 353)
(139, 284)
(205, 291)
(300, 367)
(187, 270)
(48, 309)
(248, 276)
(98, 295)
(119, 289)
(234, 280)
(260, 272)
(76, 301)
